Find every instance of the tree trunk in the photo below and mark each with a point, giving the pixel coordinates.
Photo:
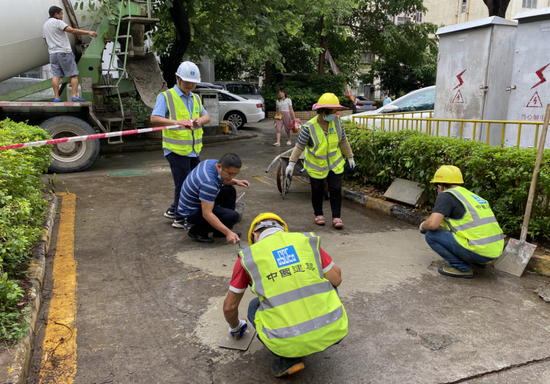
(170, 63)
(497, 7)
(324, 42)
(267, 73)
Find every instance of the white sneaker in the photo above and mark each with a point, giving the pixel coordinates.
(179, 224)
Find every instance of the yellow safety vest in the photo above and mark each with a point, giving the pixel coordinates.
(325, 155)
(182, 140)
(478, 230)
(300, 313)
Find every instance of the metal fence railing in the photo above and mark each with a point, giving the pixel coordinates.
(503, 133)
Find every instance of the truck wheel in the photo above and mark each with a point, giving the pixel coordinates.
(71, 157)
(236, 118)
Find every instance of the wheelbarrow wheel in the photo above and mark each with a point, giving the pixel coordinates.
(283, 183)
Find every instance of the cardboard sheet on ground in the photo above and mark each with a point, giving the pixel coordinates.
(242, 344)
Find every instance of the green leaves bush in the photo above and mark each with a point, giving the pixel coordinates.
(305, 90)
(500, 175)
(22, 208)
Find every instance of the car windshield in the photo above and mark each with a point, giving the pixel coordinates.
(242, 89)
(420, 101)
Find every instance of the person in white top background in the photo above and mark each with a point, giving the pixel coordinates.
(283, 106)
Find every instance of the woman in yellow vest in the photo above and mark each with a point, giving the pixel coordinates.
(297, 311)
(182, 147)
(470, 234)
(324, 140)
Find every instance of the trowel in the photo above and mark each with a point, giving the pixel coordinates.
(241, 344)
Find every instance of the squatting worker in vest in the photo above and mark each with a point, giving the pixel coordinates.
(324, 141)
(297, 311)
(182, 146)
(469, 234)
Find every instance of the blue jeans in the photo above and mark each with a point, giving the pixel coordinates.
(445, 244)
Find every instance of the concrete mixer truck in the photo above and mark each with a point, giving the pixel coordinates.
(130, 68)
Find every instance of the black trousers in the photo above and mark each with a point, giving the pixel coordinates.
(334, 182)
(181, 167)
(224, 209)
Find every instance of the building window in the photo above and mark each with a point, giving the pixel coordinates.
(529, 4)
(419, 17)
(464, 3)
(402, 20)
(366, 58)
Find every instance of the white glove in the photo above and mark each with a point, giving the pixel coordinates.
(351, 164)
(290, 169)
(422, 230)
(239, 331)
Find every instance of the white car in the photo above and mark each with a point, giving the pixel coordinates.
(236, 109)
(421, 100)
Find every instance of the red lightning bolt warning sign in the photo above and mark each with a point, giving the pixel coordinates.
(541, 76)
(459, 77)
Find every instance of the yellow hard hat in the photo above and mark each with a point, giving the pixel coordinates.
(448, 174)
(328, 100)
(264, 220)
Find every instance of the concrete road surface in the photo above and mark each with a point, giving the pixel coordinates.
(149, 299)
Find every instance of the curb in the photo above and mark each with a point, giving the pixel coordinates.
(156, 144)
(16, 368)
(538, 263)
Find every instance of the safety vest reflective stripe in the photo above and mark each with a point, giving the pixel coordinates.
(178, 142)
(252, 268)
(171, 106)
(297, 294)
(469, 206)
(305, 327)
(314, 244)
(473, 224)
(486, 240)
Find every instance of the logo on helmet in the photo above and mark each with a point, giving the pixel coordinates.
(192, 73)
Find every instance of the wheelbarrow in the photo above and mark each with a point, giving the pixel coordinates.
(283, 182)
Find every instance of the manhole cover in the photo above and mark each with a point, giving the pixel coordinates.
(128, 173)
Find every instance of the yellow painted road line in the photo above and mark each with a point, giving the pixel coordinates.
(59, 347)
(263, 181)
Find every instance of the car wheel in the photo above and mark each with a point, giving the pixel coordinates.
(74, 156)
(236, 118)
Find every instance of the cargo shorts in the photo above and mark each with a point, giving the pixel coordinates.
(63, 64)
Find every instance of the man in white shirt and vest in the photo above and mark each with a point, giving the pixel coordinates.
(297, 311)
(182, 146)
(462, 228)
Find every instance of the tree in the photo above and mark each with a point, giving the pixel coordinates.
(497, 7)
(249, 30)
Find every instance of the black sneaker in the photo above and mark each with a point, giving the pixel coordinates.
(180, 224)
(283, 366)
(199, 238)
(170, 213)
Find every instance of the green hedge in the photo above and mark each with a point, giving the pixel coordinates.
(500, 175)
(305, 90)
(22, 208)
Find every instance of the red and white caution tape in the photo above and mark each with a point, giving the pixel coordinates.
(91, 137)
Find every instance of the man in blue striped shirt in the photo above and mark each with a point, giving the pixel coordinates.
(208, 199)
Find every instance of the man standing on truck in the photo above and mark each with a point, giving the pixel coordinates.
(182, 146)
(62, 58)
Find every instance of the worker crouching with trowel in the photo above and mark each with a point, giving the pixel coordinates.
(297, 311)
(470, 233)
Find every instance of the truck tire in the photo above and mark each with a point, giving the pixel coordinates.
(71, 157)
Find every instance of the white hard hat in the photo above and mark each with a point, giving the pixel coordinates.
(188, 71)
